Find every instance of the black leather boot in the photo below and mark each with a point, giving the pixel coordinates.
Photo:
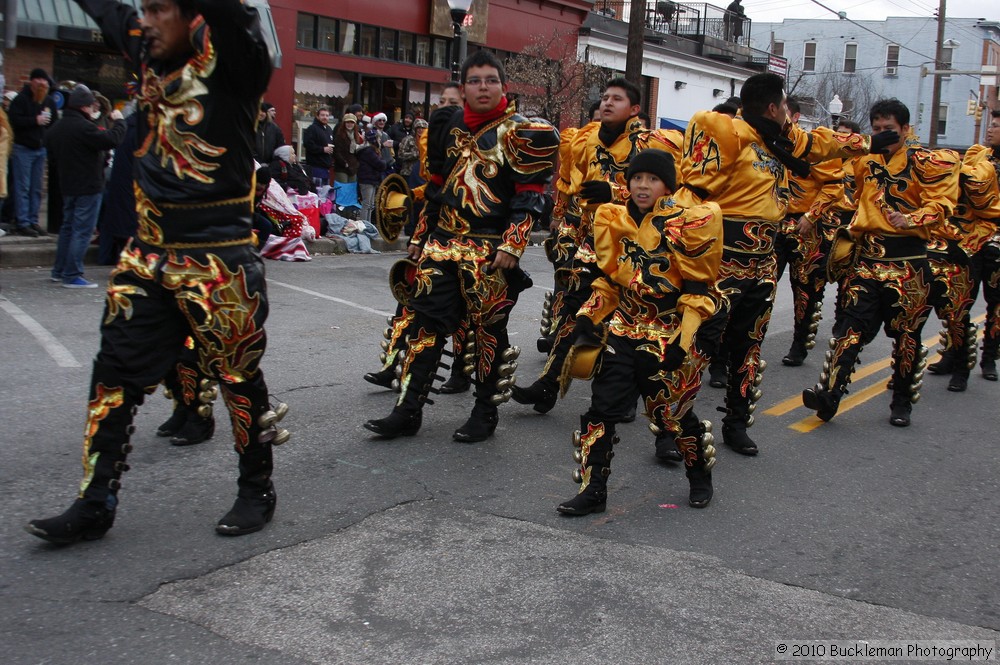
(106, 434)
(988, 363)
(195, 430)
(824, 402)
(697, 447)
(255, 499)
(718, 374)
(419, 363)
(946, 365)
(541, 395)
(84, 520)
(796, 355)
(382, 378)
(594, 448)
(666, 448)
(480, 425)
(544, 343)
(396, 424)
(256, 433)
(458, 382)
(174, 423)
(736, 422)
(899, 415)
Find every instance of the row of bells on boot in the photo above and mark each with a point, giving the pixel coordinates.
(545, 325)
(918, 376)
(706, 440)
(970, 342)
(208, 391)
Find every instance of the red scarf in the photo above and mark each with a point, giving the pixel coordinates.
(476, 120)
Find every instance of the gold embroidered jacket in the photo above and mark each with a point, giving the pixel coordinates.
(920, 183)
(726, 161)
(492, 180)
(666, 264)
(194, 167)
(818, 194)
(978, 211)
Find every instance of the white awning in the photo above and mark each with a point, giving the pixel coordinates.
(320, 82)
(417, 96)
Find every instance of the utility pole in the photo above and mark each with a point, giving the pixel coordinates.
(636, 39)
(936, 89)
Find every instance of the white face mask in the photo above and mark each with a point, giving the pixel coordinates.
(94, 115)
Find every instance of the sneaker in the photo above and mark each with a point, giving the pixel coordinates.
(79, 283)
(55, 279)
(39, 231)
(28, 231)
(2, 233)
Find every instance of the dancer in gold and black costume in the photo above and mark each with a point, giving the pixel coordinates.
(901, 197)
(192, 269)
(802, 243)
(660, 261)
(978, 213)
(592, 173)
(488, 170)
(741, 163)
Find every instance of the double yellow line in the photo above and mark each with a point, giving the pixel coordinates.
(811, 422)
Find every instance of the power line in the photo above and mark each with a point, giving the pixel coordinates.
(888, 41)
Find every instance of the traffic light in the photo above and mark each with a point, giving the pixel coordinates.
(979, 112)
(970, 107)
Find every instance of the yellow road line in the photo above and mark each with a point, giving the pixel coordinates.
(794, 402)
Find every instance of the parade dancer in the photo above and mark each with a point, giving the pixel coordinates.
(659, 262)
(488, 167)
(192, 269)
(595, 173)
(901, 196)
(741, 164)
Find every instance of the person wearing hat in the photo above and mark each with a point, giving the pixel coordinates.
(31, 114)
(268, 136)
(79, 150)
(347, 141)
(192, 269)
(385, 141)
(638, 327)
(597, 160)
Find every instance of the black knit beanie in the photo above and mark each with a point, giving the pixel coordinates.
(657, 162)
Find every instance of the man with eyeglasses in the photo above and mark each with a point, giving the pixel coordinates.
(488, 168)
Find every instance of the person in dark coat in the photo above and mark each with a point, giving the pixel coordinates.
(119, 220)
(269, 136)
(79, 150)
(371, 172)
(318, 142)
(31, 114)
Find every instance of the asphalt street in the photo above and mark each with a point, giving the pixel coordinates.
(423, 550)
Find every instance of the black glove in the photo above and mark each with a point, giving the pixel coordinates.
(585, 333)
(596, 191)
(674, 356)
(883, 140)
(991, 251)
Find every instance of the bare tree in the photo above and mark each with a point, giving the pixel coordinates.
(857, 91)
(550, 80)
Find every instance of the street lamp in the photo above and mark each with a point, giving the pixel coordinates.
(459, 10)
(836, 107)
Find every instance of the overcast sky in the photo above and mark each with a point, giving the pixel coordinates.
(874, 10)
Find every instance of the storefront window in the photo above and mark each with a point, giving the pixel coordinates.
(423, 50)
(348, 37)
(387, 44)
(306, 31)
(369, 43)
(440, 53)
(405, 47)
(327, 34)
